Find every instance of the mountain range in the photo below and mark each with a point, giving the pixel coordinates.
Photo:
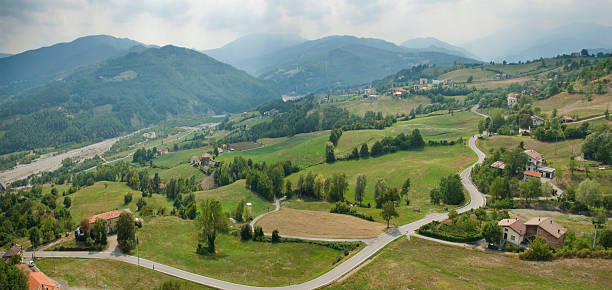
(434, 44)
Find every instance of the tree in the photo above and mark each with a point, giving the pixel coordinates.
(67, 202)
(239, 211)
(391, 194)
(584, 52)
(492, 232)
(589, 192)
(499, 188)
(275, 236)
(380, 187)
(85, 228)
(598, 222)
(605, 238)
(537, 251)
(141, 203)
(406, 186)
(481, 126)
(319, 186)
(364, 152)
(388, 212)
(354, 153)
(34, 235)
(126, 232)
(100, 231)
(470, 79)
(360, 187)
(288, 188)
(435, 196)
(12, 277)
(377, 149)
(329, 153)
(598, 146)
(338, 187)
(210, 222)
(246, 232)
(531, 189)
(258, 234)
(452, 190)
(127, 198)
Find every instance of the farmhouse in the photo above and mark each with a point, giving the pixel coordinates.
(527, 174)
(536, 121)
(536, 163)
(40, 281)
(206, 157)
(567, 119)
(15, 250)
(110, 217)
(514, 231)
(194, 160)
(512, 99)
(422, 81)
(547, 228)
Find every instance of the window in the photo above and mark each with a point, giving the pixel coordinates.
(512, 237)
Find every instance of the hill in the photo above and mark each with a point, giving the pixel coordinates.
(244, 51)
(3, 55)
(340, 61)
(434, 44)
(130, 92)
(35, 67)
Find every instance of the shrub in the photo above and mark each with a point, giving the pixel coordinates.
(89, 242)
(342, 208)
(127, 198)
(258, 234)
(537, 251)
(246, 232)
(275, 236)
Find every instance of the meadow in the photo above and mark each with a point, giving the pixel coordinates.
(185, 171)
(385, 104)
(575, 104)
(174, 159)
(230, 195)
(421, 264)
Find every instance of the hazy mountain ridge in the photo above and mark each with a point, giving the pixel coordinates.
(434, 44)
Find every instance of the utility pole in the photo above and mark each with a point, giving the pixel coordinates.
(138, 255)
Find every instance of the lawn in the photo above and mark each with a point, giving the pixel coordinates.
(579, 224)
(319, 224)
(421, 264)
(557, 155)
(185, 171)
(100, 273)
(575, 104)
(105, 196)
(172, 241)
(173, 159)
(231, 194)
(424, 167)
(303, 150)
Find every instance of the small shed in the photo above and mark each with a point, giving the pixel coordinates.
(249, 210)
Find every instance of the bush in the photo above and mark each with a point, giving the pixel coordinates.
(258, 234)
(89, 242)
(275, 236)
(537, 251)
(343, 208)
(127, 198)
(246, 232)
(449, 233)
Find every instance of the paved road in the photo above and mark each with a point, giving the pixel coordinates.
(373, 246)
(589, 119)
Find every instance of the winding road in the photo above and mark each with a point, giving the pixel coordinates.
(372, 245)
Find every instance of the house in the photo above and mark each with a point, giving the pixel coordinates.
(220, 150)
(499, 164)
(194, 160)
(536, 163)
(567, 119)
(415, 87)
(536, 121)
(512, 99)
(40, 281)
(530, 173)
(422, 81)
(547, 172)
(436, 82)
(206, 157)
(547, 228)
(514, 231)
(212, 163)
(15, 250)
(373, 97)
(205, 168)
(399, 92)
(575, 54)
(149, 135)
(110, 217)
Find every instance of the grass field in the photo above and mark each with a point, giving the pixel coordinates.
(576, 104)
(303, 150)
(557, 155)
(172, 241)
(173, 159)
(231, 194)
(421, 264)
(579, 224)
(385, 104)
(104, 196)
(424, 167)
(185, 171)
(461, 75)
(107, 274)
(319, 224)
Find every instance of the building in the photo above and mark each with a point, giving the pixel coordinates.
(536, 121)
(194, 160)
(436, 82)
(422, 81)
(110, 217)
(40, 281)
(567, 119)
(499, 165)
(529, 174)
(547, 228)
(536, 162)
(547, 172)
(206, 157)
(512, 99)
(15, 250)
(513, 231)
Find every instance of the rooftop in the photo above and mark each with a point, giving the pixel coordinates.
(534, 154)
(498, 164)
(532, 173)
(548, 225)
(515, 224)
(107, 215)
(36, 279)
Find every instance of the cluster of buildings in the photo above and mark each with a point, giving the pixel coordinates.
(517, 233)
(425, 83)
(535, 166)
(206, 161)
(36, 280)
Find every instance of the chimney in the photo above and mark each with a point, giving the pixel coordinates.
(551, 222)
(558, 231)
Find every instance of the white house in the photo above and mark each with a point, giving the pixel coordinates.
(512, 99)
(536, 121)
(513, 230)
(536, 163)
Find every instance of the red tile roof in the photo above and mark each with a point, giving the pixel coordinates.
(534, 154)
(38, 279)
(533, 173)
(106, 216)
(206, 155)
(498, 164)
(548, 225)
(515, 224)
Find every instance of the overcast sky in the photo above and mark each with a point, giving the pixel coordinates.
(203, 24)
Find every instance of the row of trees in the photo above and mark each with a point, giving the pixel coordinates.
(143, 156)
(389, 145)
(449, 191)
(318, 187)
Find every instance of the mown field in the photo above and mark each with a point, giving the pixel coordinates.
(105, 196)
(557, 155)
(106, 274)
(421, 264)
(185, 171)
(172, 241)
(576, 104)
(385, 104)
(424, 167)
(174, 159)
(231, 194)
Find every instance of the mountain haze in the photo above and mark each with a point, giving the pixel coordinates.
(434, 44)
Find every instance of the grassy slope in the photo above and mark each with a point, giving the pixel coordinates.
(556, 155)
(579, 224)
(183, 170)
(423, 264)
(424, 167)
(175, 158)
(98, 273)
(303, 150)
(385, 104)
(173, 241)
(105, 196)
(576, 104)
(231, 194)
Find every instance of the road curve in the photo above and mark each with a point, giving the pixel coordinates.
(373, 246)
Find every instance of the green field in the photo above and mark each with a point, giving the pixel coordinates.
(576, 104)
(99, 274)
(185, 171)
(421, 264)
(175, 158)
(579, 224)
(231, 194)
(424, 167)
(385, 104)
(461, 75)
(172, 241)
(303, 150)
(105, 196)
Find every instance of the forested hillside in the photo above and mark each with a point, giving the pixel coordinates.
(127, 93)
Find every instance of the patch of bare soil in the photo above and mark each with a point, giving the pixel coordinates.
(208, 182)
(319, 224)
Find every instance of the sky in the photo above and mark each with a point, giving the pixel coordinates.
(204, 24)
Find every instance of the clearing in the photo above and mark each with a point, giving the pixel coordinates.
(231, 194)
(424, 264)
(318, 224)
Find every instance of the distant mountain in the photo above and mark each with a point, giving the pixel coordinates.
(3, 55)
(242, 51)
(434, 44)
(513, 45)
(35, 67)
(129, 92)
(339, 61)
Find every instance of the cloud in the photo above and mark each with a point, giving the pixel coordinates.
(203, 24)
